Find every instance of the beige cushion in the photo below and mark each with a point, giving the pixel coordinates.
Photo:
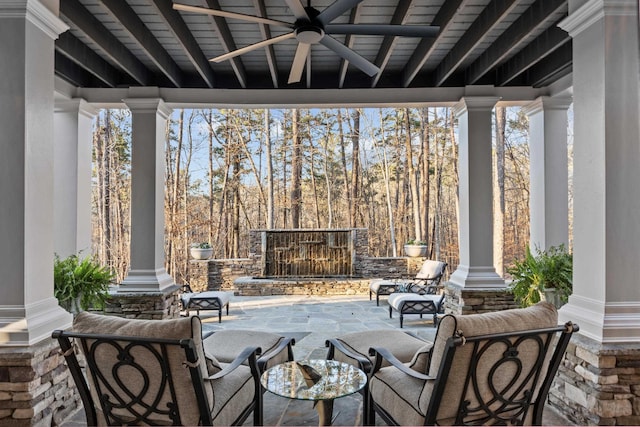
(183, 328)
(407, 399)
(225, 345)
(375, 284)
(397, 299)
(402, 345)
(223, 296)
(430, 269)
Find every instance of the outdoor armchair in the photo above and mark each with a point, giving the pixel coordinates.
(484, 369)
(155, 372)
(353, 348)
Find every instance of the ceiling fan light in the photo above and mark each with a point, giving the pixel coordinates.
(309, 34)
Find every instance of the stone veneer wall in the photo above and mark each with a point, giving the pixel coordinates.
(598, 384)
(36, 388)
(234, 274)
(222, 274)
(469, 301)
(145, 305)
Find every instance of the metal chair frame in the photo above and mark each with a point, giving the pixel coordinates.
(505, 407)
(204, 303)
(132, 401)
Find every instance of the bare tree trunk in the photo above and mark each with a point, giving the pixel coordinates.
(355, 169)
(498, 196)
(413, 178)
(98, 147)
(106, 191)
(269, 156)
(296, 171)
(425, 165)
(387, 186)
(343, 156)
(326, 175)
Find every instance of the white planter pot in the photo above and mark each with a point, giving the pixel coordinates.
(200, 253)
(415, 250)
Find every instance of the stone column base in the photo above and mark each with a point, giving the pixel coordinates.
(164, 304)
(598, 384)
(36, 388)
(460, 300)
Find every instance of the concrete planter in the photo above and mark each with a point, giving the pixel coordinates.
(415, 250)
(201, 253)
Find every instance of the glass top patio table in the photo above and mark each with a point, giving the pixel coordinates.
(337, 379)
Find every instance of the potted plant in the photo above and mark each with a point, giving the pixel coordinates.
(81, 283)
(546, 276)
(202, 250)
(415, 248)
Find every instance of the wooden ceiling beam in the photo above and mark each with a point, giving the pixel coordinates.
(491, 15)
(444, 19)
(185, 38)
(73, 49)
(400, 16)
(354, 18)
(265, 32)
(528, 23)
(147, 41)
(556, 65)
(107, 42)
(228, 44)
(537, 50)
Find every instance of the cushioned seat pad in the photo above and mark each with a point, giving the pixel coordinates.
(222, 296)
(227, 344)
(396, 299)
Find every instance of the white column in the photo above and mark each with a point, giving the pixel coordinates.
(73, 124)
(606, 293)
(476, 269)
(549, 180)
(28, 309)
(146, 271)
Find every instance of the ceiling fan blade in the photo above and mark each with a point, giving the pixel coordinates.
(298, 62)
(251, 47)
(336, 9)
(297, 8)
(383, 30)
(350, 55)
(231, 15)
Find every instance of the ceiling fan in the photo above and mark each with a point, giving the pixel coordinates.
(312, 27)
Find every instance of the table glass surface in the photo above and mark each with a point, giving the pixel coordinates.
(338, 379)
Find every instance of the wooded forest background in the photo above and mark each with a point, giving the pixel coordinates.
(390, 170)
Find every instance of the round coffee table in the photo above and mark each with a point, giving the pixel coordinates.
(337, 379)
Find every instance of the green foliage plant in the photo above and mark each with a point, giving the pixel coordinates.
(416, 242)
(550, 269)
(81, 280)
(201, 245)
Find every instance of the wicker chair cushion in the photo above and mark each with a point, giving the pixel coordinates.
(407, 348)
(398, 392)
(172, 329)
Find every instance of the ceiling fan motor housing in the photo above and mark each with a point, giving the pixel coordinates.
(309, 33)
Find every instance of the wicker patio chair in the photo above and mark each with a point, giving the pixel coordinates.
(155, 372)
(485, 369)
